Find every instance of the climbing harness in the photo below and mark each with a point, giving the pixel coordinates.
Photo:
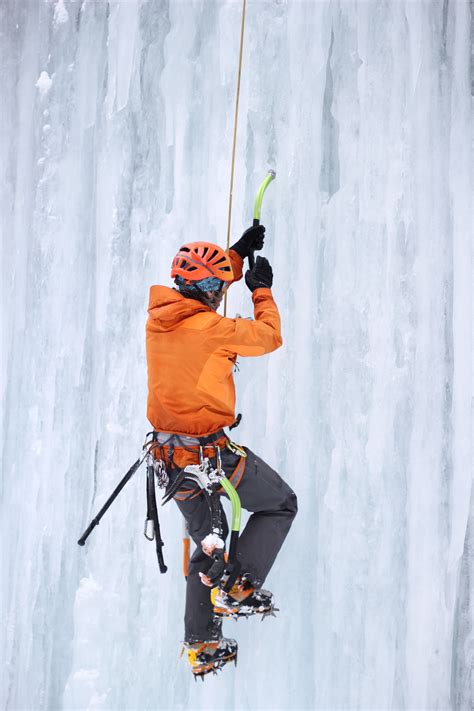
(210, 481)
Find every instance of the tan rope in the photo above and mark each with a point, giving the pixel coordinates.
(236, 117)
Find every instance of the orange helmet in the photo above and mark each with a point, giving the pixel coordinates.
(200, 260)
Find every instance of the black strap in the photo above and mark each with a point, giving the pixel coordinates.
(174, 487)
(237, 422)
(210, 439)
(152, 515)
(176, 440)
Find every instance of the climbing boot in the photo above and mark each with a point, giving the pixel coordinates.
(206, 657)
(242, 600)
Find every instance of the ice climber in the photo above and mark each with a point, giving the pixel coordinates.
(191, 352)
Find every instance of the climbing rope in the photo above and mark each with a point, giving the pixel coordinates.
(236, 118)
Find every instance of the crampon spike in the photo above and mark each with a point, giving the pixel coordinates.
(270, 613)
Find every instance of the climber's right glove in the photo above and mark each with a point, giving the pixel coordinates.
(251, 240)
(261, 276)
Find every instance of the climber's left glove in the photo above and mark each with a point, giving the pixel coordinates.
(261, 276)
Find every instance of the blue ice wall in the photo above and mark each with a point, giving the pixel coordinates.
(115, 148)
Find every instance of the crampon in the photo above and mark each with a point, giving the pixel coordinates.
(243, 600)
(207, 657)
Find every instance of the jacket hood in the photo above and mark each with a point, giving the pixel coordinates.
(168, 308)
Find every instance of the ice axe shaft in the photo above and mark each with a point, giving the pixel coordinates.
(258, 208)
(95, 521)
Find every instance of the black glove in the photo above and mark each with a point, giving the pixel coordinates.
(261, 276)
(251, 239)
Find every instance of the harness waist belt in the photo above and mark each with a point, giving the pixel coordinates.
(185, 440)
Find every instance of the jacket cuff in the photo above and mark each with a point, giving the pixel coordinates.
(236, 256)
(261, 291)
(237, 264)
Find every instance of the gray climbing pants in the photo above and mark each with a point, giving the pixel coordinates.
(273, 505)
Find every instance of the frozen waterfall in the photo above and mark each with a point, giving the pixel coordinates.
(115, 146)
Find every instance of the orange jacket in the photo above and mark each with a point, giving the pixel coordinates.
(191, 351)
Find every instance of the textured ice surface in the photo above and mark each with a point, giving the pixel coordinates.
(115, 144)
(44, 83)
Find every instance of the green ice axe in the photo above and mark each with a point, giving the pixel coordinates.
(236, 512)
(224, 572)
(258, 207)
